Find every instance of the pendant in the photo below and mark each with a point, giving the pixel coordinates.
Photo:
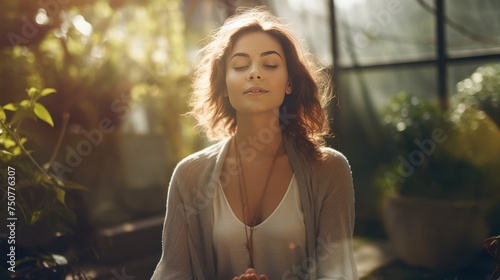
(250, 253)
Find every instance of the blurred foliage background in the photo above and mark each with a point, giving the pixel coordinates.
(121, 71)
(121, 61)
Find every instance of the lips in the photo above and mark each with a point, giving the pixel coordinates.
(255, 91)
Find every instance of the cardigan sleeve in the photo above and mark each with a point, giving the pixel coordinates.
(334, 247)
(175, 261)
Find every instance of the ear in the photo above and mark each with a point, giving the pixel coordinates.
(289, 87)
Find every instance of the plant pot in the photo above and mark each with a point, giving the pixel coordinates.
(436, 234)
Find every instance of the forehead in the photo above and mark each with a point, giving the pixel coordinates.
(255, 43)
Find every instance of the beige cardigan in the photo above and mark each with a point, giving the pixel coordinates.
(327, 197)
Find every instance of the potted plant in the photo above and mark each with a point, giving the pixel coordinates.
(482, 91)
(34, 200)
(440, 178)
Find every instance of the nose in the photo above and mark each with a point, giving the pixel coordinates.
(254, 75)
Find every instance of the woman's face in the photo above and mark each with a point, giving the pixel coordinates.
(256, 73)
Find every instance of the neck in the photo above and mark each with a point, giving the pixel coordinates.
(258, 134)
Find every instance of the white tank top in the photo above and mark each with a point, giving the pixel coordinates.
(279, 241)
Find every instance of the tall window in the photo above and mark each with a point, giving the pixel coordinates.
(381, 47)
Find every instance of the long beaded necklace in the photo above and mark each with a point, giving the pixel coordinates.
(244, 200)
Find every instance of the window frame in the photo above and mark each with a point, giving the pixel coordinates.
(440, 62)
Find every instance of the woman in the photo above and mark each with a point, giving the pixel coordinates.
(269, 201)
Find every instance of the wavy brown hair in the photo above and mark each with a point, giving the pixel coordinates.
(310, 83)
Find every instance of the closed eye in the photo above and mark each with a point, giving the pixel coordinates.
(271, 66)
(239, 68)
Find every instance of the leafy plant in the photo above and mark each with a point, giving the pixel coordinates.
(439, 154)
(40, 205)
(30, 108)
(482, 90)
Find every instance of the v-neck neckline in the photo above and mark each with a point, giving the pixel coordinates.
(268, 217)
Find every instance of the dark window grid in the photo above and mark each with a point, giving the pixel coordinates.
(441, 60)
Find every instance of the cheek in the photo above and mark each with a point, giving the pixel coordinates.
(281, 80)
(233, 81)
(229, 85)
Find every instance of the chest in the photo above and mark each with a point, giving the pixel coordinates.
(254, 192)
(279, 242)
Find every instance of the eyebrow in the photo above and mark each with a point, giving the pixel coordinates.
(261, 55)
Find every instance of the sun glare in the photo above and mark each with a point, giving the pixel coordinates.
(82, 25)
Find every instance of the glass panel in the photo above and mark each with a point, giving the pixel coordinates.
(458, 72)
(473, 27)
(360, 138)
(381, 31)
(311, 22)
(372, 87)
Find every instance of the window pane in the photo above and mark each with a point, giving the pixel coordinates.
(360, 138)
(381, 31)
(473, 27)
(459, 71)
(311, 22)
(372, 87)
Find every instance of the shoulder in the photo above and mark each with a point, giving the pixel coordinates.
(334, 172)
(333, 160)
(330, 162)
(199, 161)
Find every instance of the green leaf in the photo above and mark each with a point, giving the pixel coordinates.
(58, 181)
(2, 114)
(61, 195)
(19, 115)
(11, 107)
(17, 151)
(47, 91)
(25, 103)
(5, 152)
(42, 113)
(32, 92)
(36, 216)
(8, 143)
(59, 259)
(74, 186)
